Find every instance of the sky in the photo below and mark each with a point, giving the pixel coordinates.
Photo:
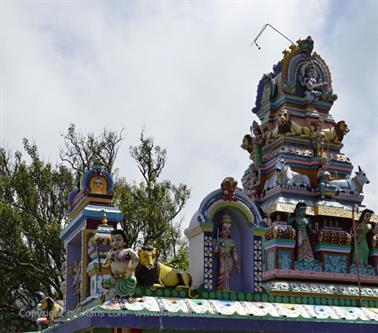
(185, 72)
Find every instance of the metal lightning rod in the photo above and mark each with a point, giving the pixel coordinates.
(262, 30)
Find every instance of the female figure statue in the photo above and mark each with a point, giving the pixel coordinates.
(226, 250)
(361, 248)
(310, 82)
(304, 249)
(257, 141)
(122, 262)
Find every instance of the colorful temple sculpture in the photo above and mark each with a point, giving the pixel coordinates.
(87, 237)
(293, 250)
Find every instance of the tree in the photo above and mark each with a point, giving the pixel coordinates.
(151, 206)
(81, 151)
(33, 207)
(33, 198)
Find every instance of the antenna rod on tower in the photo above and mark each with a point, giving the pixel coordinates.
(262, 30)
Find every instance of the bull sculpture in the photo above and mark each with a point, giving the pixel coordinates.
(351, 185)
(284, 175)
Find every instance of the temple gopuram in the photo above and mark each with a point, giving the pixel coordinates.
(294, 250)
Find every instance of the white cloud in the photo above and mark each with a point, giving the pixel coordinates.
(352, 54)
(186, 72)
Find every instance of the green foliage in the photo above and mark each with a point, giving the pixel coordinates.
(33, 206)
(181, 259)
(33, 197)
(151, 206)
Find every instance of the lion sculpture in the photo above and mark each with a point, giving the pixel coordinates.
(48, 307)
(153, 274)
(228, 188)
(336, 133)
(247, 143)
(285, 125)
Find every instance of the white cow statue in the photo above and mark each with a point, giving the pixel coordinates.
(283, 175)
(351, 185)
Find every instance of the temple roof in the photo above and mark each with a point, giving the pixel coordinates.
(206, 315)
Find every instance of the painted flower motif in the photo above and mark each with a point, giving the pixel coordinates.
(368, 291)
(257, 247)
(314, 288)
(353, 290)
(295, 286)
(344, 290)
(324, 289)
(208, 285)
(285, 286)
(305, 287)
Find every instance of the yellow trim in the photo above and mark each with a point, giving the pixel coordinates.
(206, 229)
(231, 204)
(318, 210)
(84, 262)
(104, 271)
(260, 231)
(284, 208)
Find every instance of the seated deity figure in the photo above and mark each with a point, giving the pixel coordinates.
(361, 248)
(122, 262)
(302, 226)
(324, 177)
(226, 250)
(310, 82)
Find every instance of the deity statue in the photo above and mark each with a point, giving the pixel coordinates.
(76, 283)
(324, 177)
(278, 221)
(257, 141)
(310, 81)
(359, 232)
(226, 249)
(122, 262)
(267, 220)
(303, 228)
(98, 185)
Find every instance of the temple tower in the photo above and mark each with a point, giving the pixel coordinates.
(86, 237)
(300, 178)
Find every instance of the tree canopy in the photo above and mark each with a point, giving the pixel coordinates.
(81, 151)
(150, 206)
(33, 207)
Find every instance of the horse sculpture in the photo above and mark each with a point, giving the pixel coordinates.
(284, 175)
(351, 185)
